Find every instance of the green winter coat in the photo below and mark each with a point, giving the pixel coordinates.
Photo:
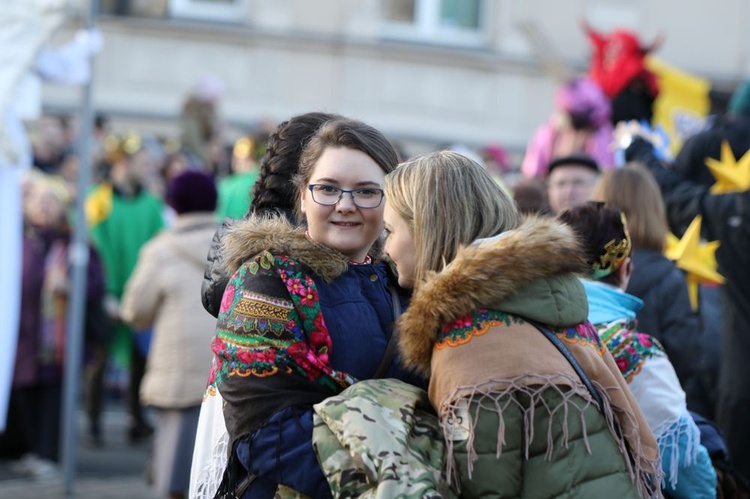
(517, 419)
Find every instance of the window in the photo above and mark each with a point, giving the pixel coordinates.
(209, 10)
(444, 21)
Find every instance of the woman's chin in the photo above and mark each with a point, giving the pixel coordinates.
(405, 282)
(351, 247)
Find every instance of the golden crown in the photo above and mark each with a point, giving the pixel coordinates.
(615, 252)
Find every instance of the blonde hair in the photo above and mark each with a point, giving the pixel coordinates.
(54, 185)
(634, 191)
(449, 201)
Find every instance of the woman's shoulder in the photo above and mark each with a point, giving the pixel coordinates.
(652, 270)
(247, 240)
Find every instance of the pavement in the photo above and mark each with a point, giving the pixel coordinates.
(114, 471)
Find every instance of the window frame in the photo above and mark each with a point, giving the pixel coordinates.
(204, 11)
(426, 26)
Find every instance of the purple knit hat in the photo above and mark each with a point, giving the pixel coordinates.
(192, 191)
(584, 101)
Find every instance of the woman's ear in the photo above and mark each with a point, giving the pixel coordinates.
(302, 202)
(624, 273)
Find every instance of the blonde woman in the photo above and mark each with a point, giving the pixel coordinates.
(496, 307)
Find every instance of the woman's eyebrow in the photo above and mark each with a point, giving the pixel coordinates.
(363, 183)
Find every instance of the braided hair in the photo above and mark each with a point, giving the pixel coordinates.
(274, 191)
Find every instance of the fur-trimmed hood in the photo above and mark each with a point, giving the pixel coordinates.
(529, 271)
(246, 238)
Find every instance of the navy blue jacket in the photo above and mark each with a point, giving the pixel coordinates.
(358, 309)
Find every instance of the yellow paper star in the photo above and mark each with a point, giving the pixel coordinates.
(697, 259)
(731, 175)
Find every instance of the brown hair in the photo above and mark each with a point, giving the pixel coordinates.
(348, 133)
(634, 191)
(603, 235)
(274, 191)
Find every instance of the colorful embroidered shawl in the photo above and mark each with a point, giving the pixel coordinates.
(644, 364)
(271, 345)
(629, 348)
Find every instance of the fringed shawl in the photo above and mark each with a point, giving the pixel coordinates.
(516, 359)
(654, 383)
(458, 328)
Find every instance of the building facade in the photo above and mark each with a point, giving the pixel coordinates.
(433, 72)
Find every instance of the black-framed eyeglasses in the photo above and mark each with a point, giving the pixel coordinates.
(328, 195)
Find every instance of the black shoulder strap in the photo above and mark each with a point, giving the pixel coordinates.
(390, 349)
(552, 337)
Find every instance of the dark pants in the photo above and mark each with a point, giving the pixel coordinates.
(37, 411)
(137, 369)
(734, 420)
(94, 374)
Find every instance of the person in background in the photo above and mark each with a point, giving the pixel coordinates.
(603, 231)
(496, 308)
(273, 194)
(666, 314)
(199, 125)
(496, 160)
(690, 162)
(570, 180)
(579, 125)
(123, 216)
(234, 190)
(530, 195)
(36, 396)
(618, 66)
(724, 217)
(161, 293)
(173, 165)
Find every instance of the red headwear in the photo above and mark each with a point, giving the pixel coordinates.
(618, 59)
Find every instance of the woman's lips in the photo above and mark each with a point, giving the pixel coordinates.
(346, 224)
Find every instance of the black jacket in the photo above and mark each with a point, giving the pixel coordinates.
(215, 277)
(667, 316)
(726, 218)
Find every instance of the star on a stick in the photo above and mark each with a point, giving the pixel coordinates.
(697, 259)
(731, 175)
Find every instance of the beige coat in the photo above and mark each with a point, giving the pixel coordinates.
(164, 292)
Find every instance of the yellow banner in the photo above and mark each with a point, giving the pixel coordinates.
(683, 102)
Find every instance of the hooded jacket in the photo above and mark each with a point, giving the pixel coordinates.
(468, 325)
(161, 293)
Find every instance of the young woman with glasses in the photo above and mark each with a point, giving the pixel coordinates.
(307, 312)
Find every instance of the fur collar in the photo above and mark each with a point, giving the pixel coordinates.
(246, 238)
(483, 276)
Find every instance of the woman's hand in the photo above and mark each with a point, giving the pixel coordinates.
(112, 307)
(626, 131)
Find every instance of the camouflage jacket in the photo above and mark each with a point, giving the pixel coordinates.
(380, 438)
